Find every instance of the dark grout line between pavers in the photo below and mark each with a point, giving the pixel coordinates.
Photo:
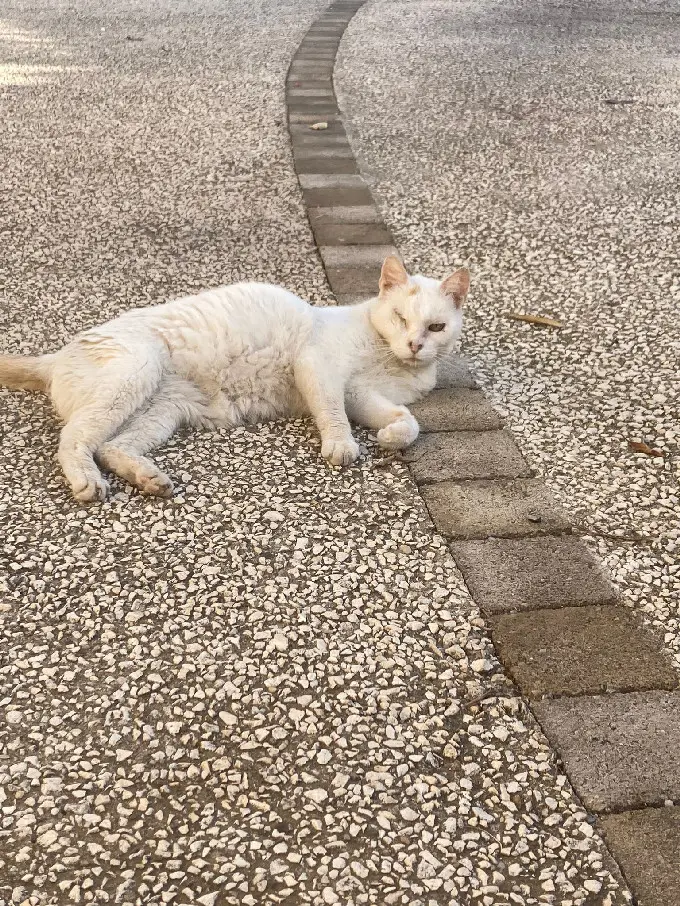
(554, 617)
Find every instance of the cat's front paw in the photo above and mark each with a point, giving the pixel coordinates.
(399, 434)
(340, 452)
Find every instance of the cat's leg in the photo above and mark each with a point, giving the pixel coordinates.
(97, 384)
(86, 430)
(325, 397)
(123, 454)
(168, 410)
(397, 428)
(81, 435)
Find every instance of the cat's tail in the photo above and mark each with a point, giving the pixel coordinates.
(26, 372)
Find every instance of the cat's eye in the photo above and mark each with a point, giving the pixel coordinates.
(401, 318)
(436, 328)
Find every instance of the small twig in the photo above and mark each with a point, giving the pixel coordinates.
(388, 460)
(433, 647)
(478, 699)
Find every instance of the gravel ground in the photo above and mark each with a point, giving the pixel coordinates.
(538, 143)
(263, 690)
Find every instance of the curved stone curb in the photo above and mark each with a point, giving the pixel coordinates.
(349, 231)
(595, 678)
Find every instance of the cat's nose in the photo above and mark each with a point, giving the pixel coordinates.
(415, 346)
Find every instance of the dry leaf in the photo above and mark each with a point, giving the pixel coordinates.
(638, 446)
(319, 126)
(535, 319)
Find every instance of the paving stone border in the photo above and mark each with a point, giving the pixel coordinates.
(596, 679)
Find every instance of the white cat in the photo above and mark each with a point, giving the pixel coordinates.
(238, 355)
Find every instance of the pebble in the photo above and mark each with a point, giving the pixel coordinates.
(208, 899)
(48, 838)
(409, 814)
(273, 516)
(280, 641)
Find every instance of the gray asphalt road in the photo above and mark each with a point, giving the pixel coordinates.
(538, 143)
(261, 691)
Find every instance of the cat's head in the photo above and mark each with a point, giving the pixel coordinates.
(420, 318)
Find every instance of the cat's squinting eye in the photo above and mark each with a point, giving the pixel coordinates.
(435, 328)
(401, 318)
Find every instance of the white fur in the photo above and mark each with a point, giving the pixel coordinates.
(239, 355)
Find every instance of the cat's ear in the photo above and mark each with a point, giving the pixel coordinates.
(392, 274)
(456, 286)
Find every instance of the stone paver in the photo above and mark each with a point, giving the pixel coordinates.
(465, 455)
(336, 195)
(352, 240)
(506, 574)
(351, 233)
(620, 751)
(304, 136)
(581, 650)
(359, 282)
(647, 843)
(308, 163)
(344, 181)
(358, 256)
(455, 372)
(344, 214)
(482, 509)
(463, 409)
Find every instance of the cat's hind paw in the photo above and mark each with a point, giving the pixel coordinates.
(340, 452)
(399, 434)
(154, 483)
(91, 490)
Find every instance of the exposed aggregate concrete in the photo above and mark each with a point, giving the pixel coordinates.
(270, 688)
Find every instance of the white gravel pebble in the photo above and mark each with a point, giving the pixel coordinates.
(48, 838)
(208, 899)
(280, 641)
